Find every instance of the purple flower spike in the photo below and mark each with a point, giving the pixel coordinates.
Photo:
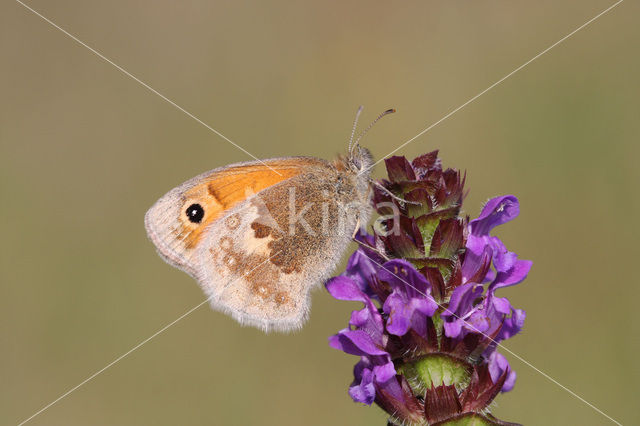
(428, 335)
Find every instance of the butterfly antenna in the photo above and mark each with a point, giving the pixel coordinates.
(364, 132)
(353, 129)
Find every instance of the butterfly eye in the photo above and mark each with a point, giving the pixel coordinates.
(195, 213)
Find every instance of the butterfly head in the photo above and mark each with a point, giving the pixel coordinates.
(359, 159)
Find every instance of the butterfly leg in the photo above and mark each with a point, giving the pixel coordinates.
(355, 230)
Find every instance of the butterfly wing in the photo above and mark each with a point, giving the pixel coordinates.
(176, 236)
(259, 267)
(244, 251)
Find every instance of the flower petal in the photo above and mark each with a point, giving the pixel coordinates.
(498, 364)
(384, 372)
(453, 328)
(478, 322)
(426, 306)
(477, 260)
(402, 274)
(512, 324)
(364, 263)
(497, 211)
(501, 304)
(368, 319)
(362, 389)
(355, 342)
(461, 303)
(399, 314)
(516, 274)
(345, 288)
(503, 259)
(462, 299)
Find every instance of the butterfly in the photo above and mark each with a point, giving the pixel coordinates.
(258, 236)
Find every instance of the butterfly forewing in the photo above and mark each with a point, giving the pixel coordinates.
(169, 225)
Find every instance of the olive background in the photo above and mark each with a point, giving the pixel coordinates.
(85, 150)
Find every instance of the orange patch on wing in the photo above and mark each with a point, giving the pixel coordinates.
(226, 188)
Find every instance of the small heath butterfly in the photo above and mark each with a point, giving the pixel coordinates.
(258, 236)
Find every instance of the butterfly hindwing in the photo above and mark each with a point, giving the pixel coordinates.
(262, 259)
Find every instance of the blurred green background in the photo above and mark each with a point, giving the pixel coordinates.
(86, 150)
